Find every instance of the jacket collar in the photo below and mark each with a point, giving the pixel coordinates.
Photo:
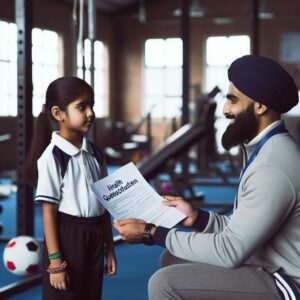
(251, 145)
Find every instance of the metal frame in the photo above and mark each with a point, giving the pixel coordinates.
(23, 13)
(23, 10)
(255, 27)
(92, 37)
(17, 287)
(185, 34)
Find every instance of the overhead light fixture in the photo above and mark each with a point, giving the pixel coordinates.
(177, 12)
(266, 10)
(266, 15)
(142, 11)
(196, 10)
(222, 21)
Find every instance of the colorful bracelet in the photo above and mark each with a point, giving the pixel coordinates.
(59, 269)
(54, 255)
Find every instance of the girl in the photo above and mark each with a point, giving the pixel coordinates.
(76, 226)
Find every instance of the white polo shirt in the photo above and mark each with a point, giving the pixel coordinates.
(65, 174)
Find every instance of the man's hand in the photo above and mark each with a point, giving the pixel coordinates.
(183, 206)
(131, 230)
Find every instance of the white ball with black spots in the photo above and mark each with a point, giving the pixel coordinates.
(22, 255)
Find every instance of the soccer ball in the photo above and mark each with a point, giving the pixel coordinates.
(22, 255)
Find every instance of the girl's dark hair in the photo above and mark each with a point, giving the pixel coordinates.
(60, 92)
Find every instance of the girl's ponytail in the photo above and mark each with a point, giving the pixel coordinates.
(41, 139)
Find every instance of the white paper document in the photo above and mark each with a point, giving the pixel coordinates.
(126, 194)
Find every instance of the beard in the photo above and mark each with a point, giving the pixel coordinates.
(243, 130)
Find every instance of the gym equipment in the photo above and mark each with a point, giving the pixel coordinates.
(128, 144)
(172, 148)
(165, 186)
(180, 141)
(22, 255)
(5, 137)
(177, 144)
(6, 190)
(1, 223)
(217, 169)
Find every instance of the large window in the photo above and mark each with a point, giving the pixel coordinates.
(163, 77)
(8, 69)
(46, 66)
(100, 74)
(220, 52)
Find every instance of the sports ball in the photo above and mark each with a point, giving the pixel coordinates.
(22, 255)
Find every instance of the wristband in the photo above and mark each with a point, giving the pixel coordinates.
(147, 238)
(54, 255)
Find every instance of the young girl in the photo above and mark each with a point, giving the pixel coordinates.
(76, 226)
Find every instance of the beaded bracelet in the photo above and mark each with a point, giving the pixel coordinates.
(59, 269)
(54, 255)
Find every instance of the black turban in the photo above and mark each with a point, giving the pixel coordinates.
(264, 81)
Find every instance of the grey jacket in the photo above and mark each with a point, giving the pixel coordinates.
(264, 229)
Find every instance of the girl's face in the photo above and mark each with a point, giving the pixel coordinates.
(79, 115)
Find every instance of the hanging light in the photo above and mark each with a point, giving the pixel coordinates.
(196, 10)
(142, 11)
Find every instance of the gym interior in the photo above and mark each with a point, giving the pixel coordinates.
(159, 72)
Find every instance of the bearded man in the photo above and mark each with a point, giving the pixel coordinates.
(254, 253)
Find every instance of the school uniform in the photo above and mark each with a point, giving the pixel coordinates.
(64, 177)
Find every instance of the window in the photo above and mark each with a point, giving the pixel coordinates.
(163, 77)
(100, 74)
(8, 69)
(217, 63)
(46, 66)
(295, 111)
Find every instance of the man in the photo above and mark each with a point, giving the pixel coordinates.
(255, 253)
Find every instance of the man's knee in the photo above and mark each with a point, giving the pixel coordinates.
(167, 259)
(159, 285)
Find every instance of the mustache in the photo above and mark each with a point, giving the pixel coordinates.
(229, 116)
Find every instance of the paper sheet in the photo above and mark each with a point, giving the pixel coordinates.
(126, 194)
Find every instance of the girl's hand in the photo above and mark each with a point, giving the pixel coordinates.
(183, 206)
(111, 263)
(60, 281)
